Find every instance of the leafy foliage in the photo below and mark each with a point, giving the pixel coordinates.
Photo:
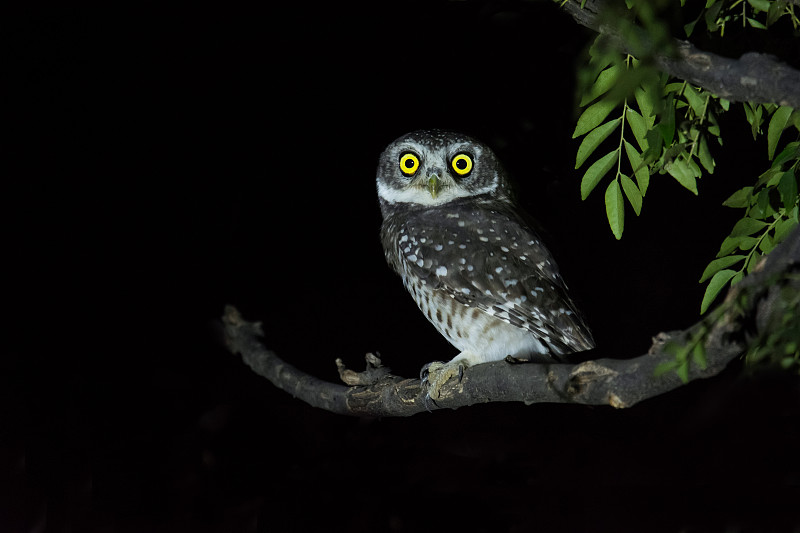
(771, 212)
(638, 122)
(758, 14)
(670, 122)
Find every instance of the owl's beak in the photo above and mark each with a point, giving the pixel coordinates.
(434, 185)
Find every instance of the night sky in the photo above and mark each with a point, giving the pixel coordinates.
(171, 160)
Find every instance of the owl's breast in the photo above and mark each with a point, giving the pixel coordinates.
(474, 332)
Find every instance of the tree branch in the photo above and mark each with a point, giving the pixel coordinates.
(754, 77)
(616, 382)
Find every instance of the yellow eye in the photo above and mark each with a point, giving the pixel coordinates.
(462, 164)
(409, 163)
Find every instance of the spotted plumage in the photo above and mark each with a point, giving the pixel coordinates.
(476, 270)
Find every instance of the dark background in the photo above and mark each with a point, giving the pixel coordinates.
(170, 160)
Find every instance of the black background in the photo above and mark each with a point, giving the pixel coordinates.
(175, 159)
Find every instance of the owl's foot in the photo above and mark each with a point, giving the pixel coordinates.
(435, 374)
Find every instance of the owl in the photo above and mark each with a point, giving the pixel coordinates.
(475, 268)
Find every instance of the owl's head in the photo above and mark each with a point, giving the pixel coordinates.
(434, 167)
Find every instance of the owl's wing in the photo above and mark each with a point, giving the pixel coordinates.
(491, 260)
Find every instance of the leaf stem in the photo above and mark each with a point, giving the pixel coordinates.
(702, 119)
(628, 59)
(752, 251)
(621, 138)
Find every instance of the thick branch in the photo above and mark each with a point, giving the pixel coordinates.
(616, 382)
(753, 77)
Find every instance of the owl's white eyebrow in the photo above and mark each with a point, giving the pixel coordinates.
(464, 147)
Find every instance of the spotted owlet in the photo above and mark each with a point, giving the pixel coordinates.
(476, 270)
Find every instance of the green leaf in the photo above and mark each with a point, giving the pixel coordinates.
(674, 87)
(766, 244)
(747, 243)
(761, 5)
(605, 81)
(788, 189)
(711, 14)
(729, 244)
(775, 11)
(615, 208)
(771, 177)
(645, 101)
(776, 126)
(762, 208)
(681, 171)
(782, 228)
(740, 198)
(640, 169)
(694, 167)
(747, 226)
(705, 155)
(683, 371)
(665, 367)
(655, 143)
(752, 263)
(716, 284)
(666, 126)
(633, 193)
(596, 172)
(593, 116)
(699, 356)
(795, 119)
(696, 102)
(756, 24)
(638, 127)
(718, 264)
(791, 151)
(689, 28)
(753, 115)
(593, 140)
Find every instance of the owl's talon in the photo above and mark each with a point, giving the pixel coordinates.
(427, 400)
(436, 374)
(424, 371)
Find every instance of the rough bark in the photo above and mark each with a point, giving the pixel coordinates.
(616, 382)
(754, 77)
